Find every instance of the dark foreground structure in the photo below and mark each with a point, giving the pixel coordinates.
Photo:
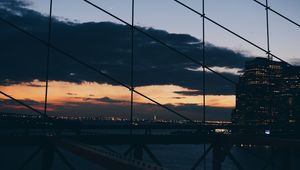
(53, 138)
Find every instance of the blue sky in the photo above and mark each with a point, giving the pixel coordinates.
(245, 17)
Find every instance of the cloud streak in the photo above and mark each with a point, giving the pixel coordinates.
(226, 70)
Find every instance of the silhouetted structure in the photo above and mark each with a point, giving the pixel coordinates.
(272, 88)
(268, 93)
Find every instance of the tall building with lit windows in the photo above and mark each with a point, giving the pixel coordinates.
(268, 92)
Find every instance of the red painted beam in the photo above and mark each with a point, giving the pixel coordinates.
(106, 159)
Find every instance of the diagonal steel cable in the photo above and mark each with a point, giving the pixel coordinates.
(166, 45)
(162, 43)
(279, 14)
(203, 61)
(232, 32)
(91, 68)
(22, 103)
(204, 76)
(132, 67)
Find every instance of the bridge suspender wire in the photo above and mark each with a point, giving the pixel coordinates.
(195, 61)
(48, 58)
(268, 34)
(203, 68)
(230, 31)
(270, 92)
(279, 14)
(131, 67)
(203, 77)
(44, 114)
(89, 67)
(162, 43)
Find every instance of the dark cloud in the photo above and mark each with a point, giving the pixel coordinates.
(104, 100)
(109, 100)
(14, 4)
(71, 94)
(8, 105)
(106, 46)
(31, 84)
(178, 97)
(189, 93)
(27, 101)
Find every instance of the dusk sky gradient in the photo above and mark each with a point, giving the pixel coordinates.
(159, 73)
(245, 17)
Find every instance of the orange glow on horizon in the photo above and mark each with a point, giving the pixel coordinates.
(60, 92)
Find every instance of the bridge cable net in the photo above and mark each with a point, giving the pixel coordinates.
(209, 19)
(48, 58)
(203, 81)
(162, 43)
(132, 67)
(277, 13)
(131, 87)
(232, 32)
(48, 44)
(89, 67)
(150, 36)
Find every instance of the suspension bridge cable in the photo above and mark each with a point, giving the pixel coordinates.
(204, 77)
(131, 67)
(230, 31)
(22, 103)
(203, 68)
(268, 32)
(48, 58)
(161, 42)
(269, 60)
(279, 14)
(91, 68)
(195, 61)
(117, 81)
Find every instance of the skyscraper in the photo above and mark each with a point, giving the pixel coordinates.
(268, 93)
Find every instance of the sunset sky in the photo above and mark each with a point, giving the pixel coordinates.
(159, 73)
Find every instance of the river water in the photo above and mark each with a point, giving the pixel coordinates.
(174, 157)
